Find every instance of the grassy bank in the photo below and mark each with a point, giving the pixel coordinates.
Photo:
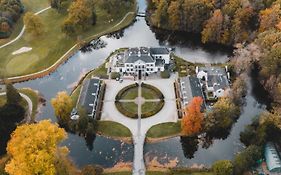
(113, 129)
(34, 98)
(164, 130)
(52, 45)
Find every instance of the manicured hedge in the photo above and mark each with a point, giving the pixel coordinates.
(124, 111)
(124, 90)
(157, 108)
(157, 91)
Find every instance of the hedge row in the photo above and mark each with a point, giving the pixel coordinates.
(157, 108)
(124, 90)
(157, 91)
(124, 111)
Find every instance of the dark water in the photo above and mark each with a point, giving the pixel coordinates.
(107, 152)
(189, 154)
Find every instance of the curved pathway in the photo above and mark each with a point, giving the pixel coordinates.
(23, 29)
(29, 102)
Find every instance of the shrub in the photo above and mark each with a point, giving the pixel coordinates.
(156, 91)
(157, 108)
(115, 75)
(124, 111)
(165, 74)
(223, 167)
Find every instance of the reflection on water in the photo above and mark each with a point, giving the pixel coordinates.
(185, 149)
(105, 152)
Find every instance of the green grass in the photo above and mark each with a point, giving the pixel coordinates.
(49, 47)
(148, 93)
(34, 98)
(184, 67)
(164, 130)
(130, 107)
(113, 129)
(130, 94)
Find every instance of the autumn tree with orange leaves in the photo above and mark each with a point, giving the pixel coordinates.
(192, 120)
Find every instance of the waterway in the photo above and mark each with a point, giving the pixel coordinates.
(107, 152)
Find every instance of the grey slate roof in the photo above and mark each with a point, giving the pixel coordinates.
(144, 58)
(190, 88)
(89, 94)
(159, 51)
(144, 54)
(217, 77)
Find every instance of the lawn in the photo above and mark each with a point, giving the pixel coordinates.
(164, 130)
(34, 98)
(148, 93)
(108, 128)
(52, 45)
(130, 94)
(184, 67)
(131, 107)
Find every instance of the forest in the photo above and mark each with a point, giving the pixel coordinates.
(10, 12)
(252, 27)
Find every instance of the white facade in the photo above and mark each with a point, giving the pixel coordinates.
(214, 79)
(141, 59)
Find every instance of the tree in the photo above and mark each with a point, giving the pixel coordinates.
(161, 15)
(57, 4)
(33, 24)
(213, 29)
(174, 15)
(223, 167)
(246, 159)
(62, 105)
(269, 17)
(193, 118)
(222, 116)
(13, 96)
(196, 12)
(34, 149)
(80, 15)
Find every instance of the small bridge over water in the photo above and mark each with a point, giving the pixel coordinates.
(141, 14)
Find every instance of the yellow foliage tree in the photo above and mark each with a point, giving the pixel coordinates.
(192, 120)
(33, 24)
(33, 149)
(62, 105)
(174, 15)
(269, 17)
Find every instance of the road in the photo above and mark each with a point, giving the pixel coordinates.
(23, 29)
(30, 105)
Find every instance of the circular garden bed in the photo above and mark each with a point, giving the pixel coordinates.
(152, 101)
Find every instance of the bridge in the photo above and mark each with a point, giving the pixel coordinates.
(141, 14)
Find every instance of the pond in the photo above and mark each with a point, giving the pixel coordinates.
(107, 152)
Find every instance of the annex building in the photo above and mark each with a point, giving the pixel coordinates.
(89, 98)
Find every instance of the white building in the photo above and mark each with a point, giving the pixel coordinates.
(214, 80)
(146, 60)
